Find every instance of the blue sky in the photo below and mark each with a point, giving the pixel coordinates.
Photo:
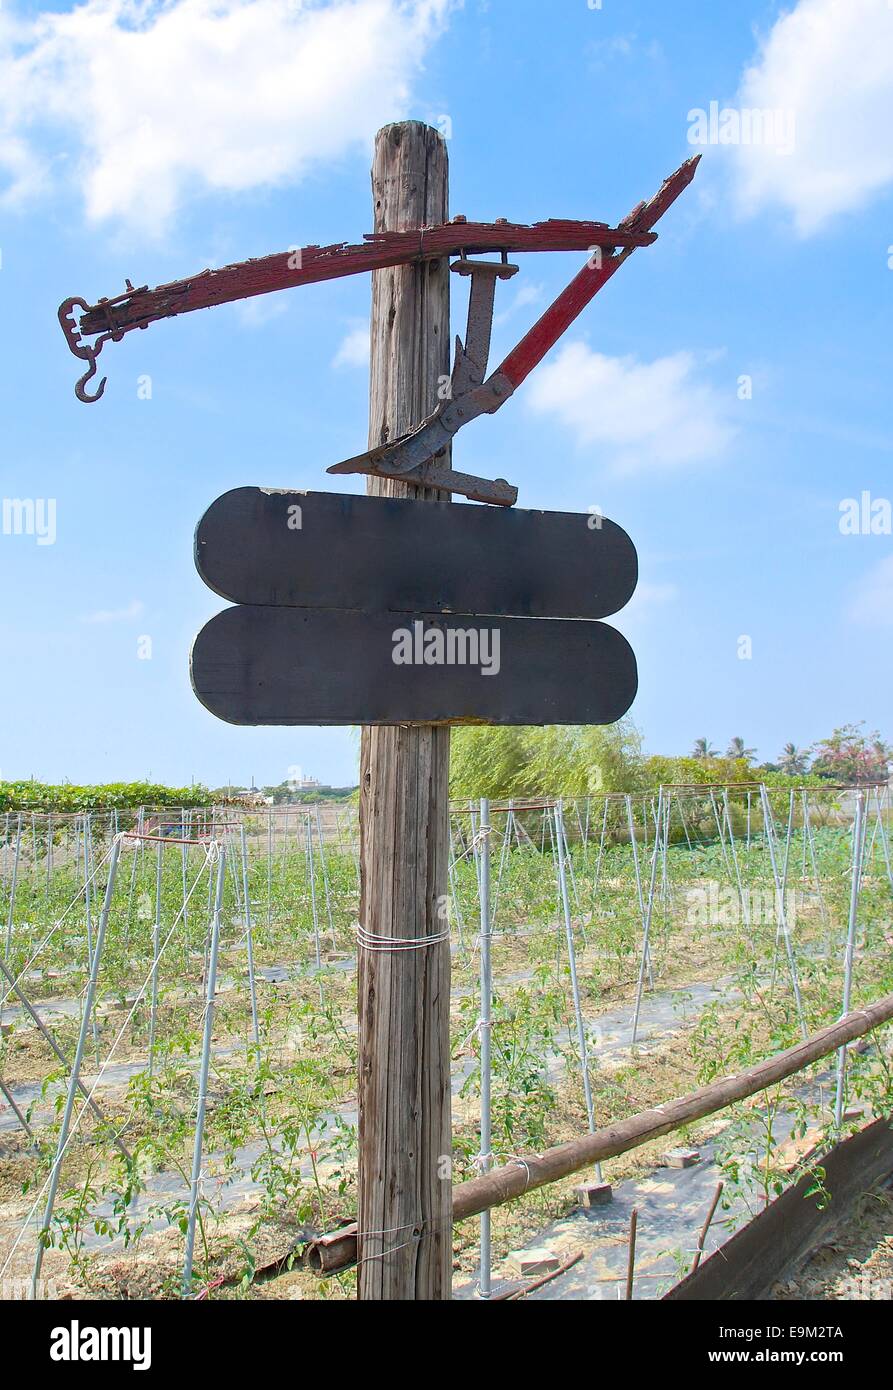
(148, 141)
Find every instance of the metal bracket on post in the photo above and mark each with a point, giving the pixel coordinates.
(415, 457)
(471, 358)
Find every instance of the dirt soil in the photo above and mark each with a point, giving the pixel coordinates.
(857, 1263)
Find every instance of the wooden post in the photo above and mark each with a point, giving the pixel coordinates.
(405, 1192)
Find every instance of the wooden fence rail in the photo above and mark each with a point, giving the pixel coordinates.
(337, 1250)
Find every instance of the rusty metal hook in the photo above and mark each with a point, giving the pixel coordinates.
(87, 352)
(80, 388)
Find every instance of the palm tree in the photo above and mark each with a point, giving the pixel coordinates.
(794, 761)
(736, 749)
(702, 749)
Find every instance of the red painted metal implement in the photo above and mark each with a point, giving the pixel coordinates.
(414, 456)
(307, 265)
(110, 319)
(417, 456)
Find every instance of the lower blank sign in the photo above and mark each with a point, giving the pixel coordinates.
(261, 665)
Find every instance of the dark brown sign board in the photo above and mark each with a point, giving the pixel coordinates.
(376, 554)
(257, 664)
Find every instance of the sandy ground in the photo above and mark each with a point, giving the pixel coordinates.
(857, 1263)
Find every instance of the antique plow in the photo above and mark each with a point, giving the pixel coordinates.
(415, 457)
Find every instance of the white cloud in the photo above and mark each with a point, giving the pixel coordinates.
(644, 415)
(653, 595)
(147, 102)
(648, 600)
(116, 615)
(830, 64)
(602, 52)
(524, 295)
(354, 348)
(872, 605)
(260, 310)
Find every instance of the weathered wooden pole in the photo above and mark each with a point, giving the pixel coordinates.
(405, 1192)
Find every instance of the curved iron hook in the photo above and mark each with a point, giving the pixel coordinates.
(87, 352)
(80, 388)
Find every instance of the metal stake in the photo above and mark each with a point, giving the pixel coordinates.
(62, 1142)
(486, 1024)
(325, 878)
(780, 907)
(249, 939)
(646, 924)
(156, 946)
(858, 841)
(12, 886)
(572, 959)
(203, 1074)
(314, 907)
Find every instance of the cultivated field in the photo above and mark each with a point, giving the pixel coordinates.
(703, 936)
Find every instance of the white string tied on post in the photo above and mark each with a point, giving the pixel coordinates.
(372, 941)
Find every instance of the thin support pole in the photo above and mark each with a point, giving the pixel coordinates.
(807, 833)
(13, 884)
(572, 960)
(631, 1257)
(722, 838)
(87, 894)
(742, 897)
(203, 1075)
(568, 859)
(156, 947)
(325, 877)
(706, 1227)
(486, 1023)
(781, 909)
(49, 855)
(504, 852)
(684, 825)
(646, 928)
(184, 875)
(883, 833)
(787, 843)
(270, 869)
(601, 853)
(133, 868)
(633, 846)
(63, 1057)
(249, 941)
(858, 845)
(314, 908)
(10, 1100)
(664, 856)
(454, 889)
(62, 1142)
(284, 842)
(475, 843)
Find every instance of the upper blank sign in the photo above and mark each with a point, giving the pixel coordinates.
(376, 554)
